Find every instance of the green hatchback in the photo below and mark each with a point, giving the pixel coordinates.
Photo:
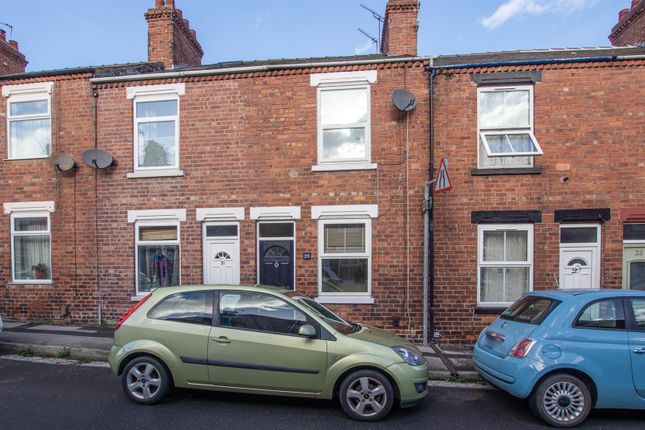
(262, 340)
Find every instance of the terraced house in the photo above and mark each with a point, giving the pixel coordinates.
(303, 173)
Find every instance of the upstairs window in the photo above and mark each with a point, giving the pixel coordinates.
(505, 132)
(156, 126)
(344, 135)
(29, 120)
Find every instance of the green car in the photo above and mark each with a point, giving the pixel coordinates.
(262, 340)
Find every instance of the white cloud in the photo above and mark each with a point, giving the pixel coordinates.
(365, 47)
(513, 8)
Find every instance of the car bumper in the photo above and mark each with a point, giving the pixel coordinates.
(412, 382)
(513, 375)
(115, 357)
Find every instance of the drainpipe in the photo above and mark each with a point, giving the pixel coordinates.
(95, 94)
(428, 225)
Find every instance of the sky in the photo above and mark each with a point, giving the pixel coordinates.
(72, 33)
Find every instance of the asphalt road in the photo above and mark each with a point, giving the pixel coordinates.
(46, 396)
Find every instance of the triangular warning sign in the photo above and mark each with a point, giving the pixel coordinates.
(442, 183)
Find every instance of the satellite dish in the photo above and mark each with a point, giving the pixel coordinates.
(404, 100)
(64, 163)
(98, 159)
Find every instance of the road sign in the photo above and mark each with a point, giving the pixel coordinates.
(442, 183)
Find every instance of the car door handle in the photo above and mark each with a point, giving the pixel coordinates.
(639, 351)
(495, 336)
(221, 339)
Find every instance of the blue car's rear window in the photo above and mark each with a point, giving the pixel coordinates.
(530, 309)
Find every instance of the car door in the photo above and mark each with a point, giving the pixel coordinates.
(182, 323)
(255, 344)
(636, 307)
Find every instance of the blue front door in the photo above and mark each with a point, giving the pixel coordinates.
(276, 263)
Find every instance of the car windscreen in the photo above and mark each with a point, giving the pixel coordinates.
(530, 309)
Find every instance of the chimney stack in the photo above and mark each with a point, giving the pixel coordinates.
(170, 38)
(400, 27)
(12, 61)
(630, 29)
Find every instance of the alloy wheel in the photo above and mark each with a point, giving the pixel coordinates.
(144, 381)
(366, 396)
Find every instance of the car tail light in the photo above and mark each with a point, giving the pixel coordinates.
(130, 311)
(522, 348)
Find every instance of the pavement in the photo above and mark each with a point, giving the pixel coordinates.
(93, 344)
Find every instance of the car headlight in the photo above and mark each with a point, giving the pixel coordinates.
(409, 356)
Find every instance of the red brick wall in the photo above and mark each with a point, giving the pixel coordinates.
(630, 29)
(250, 140)
(400, 29)
(72, 231)
(589, 120)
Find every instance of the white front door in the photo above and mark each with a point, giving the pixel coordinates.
(577, 268)
(222, 262)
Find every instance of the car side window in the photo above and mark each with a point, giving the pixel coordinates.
(638, 310)
(195, 307)
(607, 314)
(260, 312)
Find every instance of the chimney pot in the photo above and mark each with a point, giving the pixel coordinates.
(186, 23)
(193, 33)
(634, 3)
(170, 4)
(3, 35)
(14, 44)
(622, 14)
(159, 4)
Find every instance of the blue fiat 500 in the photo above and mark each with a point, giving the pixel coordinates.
(568, 351)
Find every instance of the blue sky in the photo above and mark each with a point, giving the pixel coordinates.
(69, 33)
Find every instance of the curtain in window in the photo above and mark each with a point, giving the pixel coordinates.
(32, 258)
(158, 266)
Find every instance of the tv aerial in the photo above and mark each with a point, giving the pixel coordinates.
(404, 100)
(380, 19)
(97, 159)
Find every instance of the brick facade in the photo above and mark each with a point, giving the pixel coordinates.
(12, 61)
(400, 27)
(630, 29)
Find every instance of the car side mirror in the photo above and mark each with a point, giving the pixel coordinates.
(307, 330)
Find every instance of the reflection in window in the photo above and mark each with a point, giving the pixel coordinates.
(344, 257)
(157, 256)
(603, 314)
(29, 128)
(156, 124)
(259, 312)
(193, 307)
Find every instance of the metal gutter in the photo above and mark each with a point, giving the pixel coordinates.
(251, 69)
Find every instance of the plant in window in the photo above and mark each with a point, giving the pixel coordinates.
(40, 271)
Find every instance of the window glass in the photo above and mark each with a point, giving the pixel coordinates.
(603, 314)
(637, 275)
(348, 275)
(31, 249)
(30, 138)
(634, 232)
(276, 229)
(503, 284)
(157, 108)
(530, 310)
(158, 266)
(578, 235)
(260, 312)
(638, 308)
(344, 238)
(192, 307)
(34, 107)
(504, 109)
(157, 144)
(158, 232)
(221, 230)
(344, 143)
(500, 245)
(343, 106)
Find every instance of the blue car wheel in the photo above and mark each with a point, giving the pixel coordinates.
(561, 400)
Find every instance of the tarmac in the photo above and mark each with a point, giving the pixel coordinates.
(446, 362)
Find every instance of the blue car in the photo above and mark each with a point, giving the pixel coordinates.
(568, 351)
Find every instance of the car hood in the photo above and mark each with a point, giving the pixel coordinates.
(381, 337)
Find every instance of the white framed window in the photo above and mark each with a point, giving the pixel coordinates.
(505, 127)
(31, 247)
(344, 120)
(29, 131)
(157, 255)
(505, 263)
(156, 128)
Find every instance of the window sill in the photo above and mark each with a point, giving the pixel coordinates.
(489, 310)
(342, 299)
(333, 167)
(42, 157)
(32, 282)
(161, 173)
(508, 171)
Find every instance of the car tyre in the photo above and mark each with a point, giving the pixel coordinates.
(366, 395)
(561, 400)
(146, 380)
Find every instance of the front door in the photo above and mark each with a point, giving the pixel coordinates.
(580, 256)
(637, 343)
(221, 254)
(223, 263)
(276, 263)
